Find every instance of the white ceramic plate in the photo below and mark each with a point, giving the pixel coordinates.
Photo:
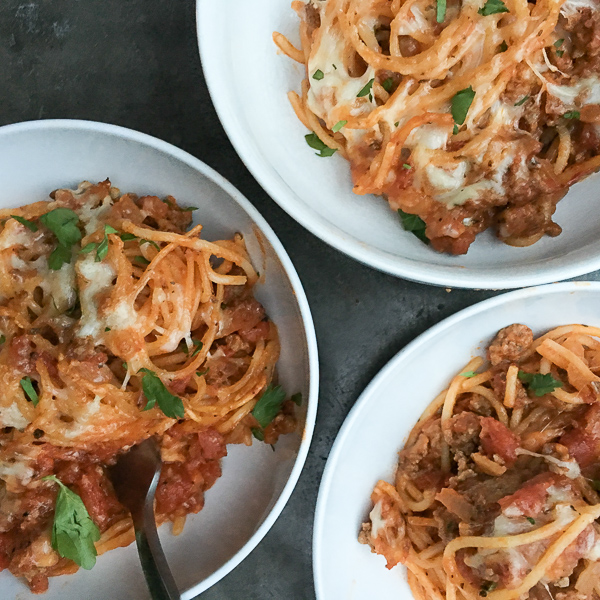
(38, 157)
(366, 448)
(248, 80)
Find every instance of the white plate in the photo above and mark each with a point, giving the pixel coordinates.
(366, 448)
(248, 80)
(36, 158)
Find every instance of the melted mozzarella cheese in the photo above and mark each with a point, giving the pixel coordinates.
(123, 316)
(11, 416)
(15, 234)
(447, 180)
(17, 469)
(586, 90)
(416, 23)
(90, 217)
(572, 470)
(99, 276)
(377, 521)
(571, 7)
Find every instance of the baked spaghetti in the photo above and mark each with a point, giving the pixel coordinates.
(464, 115)
(496, 491)
(118, 324)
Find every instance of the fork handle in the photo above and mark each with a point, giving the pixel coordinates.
(159, 586)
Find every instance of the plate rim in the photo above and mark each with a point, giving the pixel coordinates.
(405, 354)
(386, 262)
(309, 330)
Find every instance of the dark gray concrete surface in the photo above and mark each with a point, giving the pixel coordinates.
(135, 63)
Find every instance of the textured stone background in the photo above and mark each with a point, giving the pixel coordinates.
(135, 63)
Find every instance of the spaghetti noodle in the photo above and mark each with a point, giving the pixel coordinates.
(117, 325)
(496, 491)
(464, 115)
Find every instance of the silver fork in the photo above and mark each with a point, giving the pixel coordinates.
(134, 478)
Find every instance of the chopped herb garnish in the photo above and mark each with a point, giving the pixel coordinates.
(29, 390)
(200, 373)
(102, 250)
(559, 43)
(522, 101)
(297, 399)
(29, 224)
(88, 248)
(151, 243)
(268, 405)
(155, 391)
(469, 374)
(388, 84)
(106, 329)
(487, 587)
(461, 102)
(126, 237)
(531, 520)
(313, 140)
(62, 222)
(455, 130)
(396, 123)
(540, 384)
(258, 434)
(141, 260)
(440, 11)
(572, 114)
(406, 166)
(366, 91)
(198, 345)
(560, 53)
(338, 126)
(503, 46)
(492, 7)
(414, 224)
(73, 531)
(318, 75)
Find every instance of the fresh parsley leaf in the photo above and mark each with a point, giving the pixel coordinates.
(126, 237)
(200, 373)
(487, 587)
(531, 520)
(388, 84)
(461, 102)
(268, 405)
(198, 345)
(406, 166)
(152, 243)
(73, 531)
(455, 130)
(338, 126)
(88, 248)
(29, 224)
(258, 434)
(103, 246)
(572, 114)
(155, 391)
(29, 390)
(141, 260)
(62, 222)
(559, 43)
(469, 374)
(492, 7)
(414, 224)
(313, 140)
(560, 53)
(396, 123)
(540, 384)
(106, 329)
(440, 11)
(58, 257)
(522, 101)
(366, 91)
(318, 75)
(503, 46)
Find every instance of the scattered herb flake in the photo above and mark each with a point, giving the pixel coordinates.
(29, 224)
(440, 11)
(200, 373)
(388, 84)
(127, 237)
(572, 114)
(469, 374)
(406, 166)
(141, 260)
(189, 208)
(487, 587)
(318, 75)
(58, 257)
(198, 345)
(297, 399)
(366, 91)
(492, 7)
(156, 392)
(531, 520)
(268, 405)
(29, 390)
(152, 243)
(338, 126)
(414, 224)
(540, 384)
(313, 140)
(559, 43)
(62, 222)
(461, 102)
(522, 101)
(73, 531)
(88, 248)
(503, 46)
(560, 53)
